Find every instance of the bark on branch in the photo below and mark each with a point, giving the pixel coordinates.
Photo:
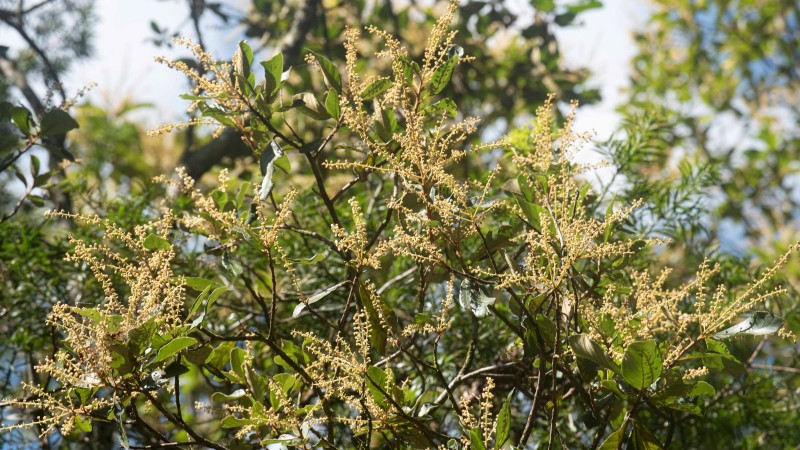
(230, 144)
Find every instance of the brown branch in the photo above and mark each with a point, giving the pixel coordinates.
(228, 144)
(15, 22)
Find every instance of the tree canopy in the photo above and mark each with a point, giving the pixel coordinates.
(333, 250)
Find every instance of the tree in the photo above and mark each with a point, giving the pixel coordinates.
(712, 113)
(387, 278)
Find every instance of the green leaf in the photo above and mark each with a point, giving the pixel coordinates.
(308, 104)
(720, 348)
(317, 257)
(332, 77)
(198, 284)
(273, 70)
(224, 398)
(642, 363)
(332, 104)
(153, 242)
(231, 264)
(547, 328)
(233, 422)
(175, 369)
(244, 188)
(441, 77)
(544, 5)
(444, 105)
(376, 381)
(85, 394)
(174, 346)
(199, 355)
(614, 440)
(679, 389)
(139, 337)
(55, 122)
(121, 359)
(611, 386)
(376, 88)
(587, 349)
(584, 5)
(643, 439)
(22, 118)
(267, 164)
(287, 382)
(83, 424)
(36, 200)
(244, 61)
(35, 165)
(759, 323)
(503, 422)
(565, 19)
(475, 439)
(315, 298)
(238, 360)
(221, 355)
(378, 333)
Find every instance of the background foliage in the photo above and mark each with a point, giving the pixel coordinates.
(395, 270)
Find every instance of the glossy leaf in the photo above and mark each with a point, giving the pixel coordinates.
(315, 298)
(376, 88)
(759, 323)
(267, 164)
(173, 347)
(588, 349)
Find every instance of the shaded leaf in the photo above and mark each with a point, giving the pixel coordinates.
(332, 104)
(273, 71)
(614, 440)
(56, 122)
(643, 438)
(332, 77)
(376, 382)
